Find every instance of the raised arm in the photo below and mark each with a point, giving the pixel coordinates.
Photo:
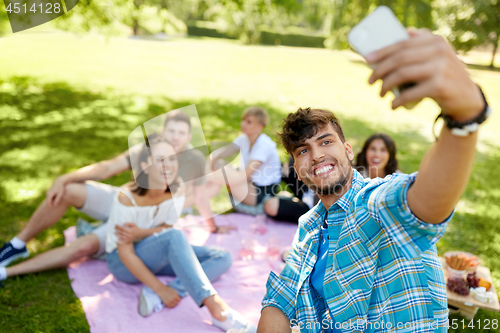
(97, 171)
(431, 62)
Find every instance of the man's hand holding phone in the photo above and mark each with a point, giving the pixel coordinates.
(430, 62)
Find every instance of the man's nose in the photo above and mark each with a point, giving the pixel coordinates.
(317, 153)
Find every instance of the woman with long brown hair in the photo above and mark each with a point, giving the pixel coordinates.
(378, 157)
(142, 244)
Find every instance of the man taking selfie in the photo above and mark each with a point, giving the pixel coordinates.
(364, 258)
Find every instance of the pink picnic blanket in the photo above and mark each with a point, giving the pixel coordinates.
(111, 305)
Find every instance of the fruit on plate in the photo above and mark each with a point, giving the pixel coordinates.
(472, 280)
(458, 286)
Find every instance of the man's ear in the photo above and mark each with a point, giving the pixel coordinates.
(144, 167)
(296, 172)
(349, 151)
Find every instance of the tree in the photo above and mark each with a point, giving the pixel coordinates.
(475, 23)
(121, 17)
(337, 17)
(243, 19)
(4, 20)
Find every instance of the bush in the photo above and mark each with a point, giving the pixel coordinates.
(294, 36)
(291, 39)
(205, 29)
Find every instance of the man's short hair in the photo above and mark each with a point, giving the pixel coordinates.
(259, 113)
(304, 124)
(177, 115)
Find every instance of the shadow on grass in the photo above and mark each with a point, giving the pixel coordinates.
(51, 129)
(483, 68)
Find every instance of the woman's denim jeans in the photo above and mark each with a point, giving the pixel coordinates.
(169, 253)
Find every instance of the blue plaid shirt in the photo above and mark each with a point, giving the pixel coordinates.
(383, 273)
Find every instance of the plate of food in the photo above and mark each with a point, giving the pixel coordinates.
(460, 262)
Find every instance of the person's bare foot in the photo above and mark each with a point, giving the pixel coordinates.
(169, 296)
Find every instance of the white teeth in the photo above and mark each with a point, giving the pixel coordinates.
(322, 170)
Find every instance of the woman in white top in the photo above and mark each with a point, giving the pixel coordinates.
(141, 243)
(378, 157)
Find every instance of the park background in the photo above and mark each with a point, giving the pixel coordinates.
(72, 90)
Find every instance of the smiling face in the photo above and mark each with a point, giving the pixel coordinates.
(162, 167)
(323, 162)
(377, 155)
(178, 133)
(250, 125)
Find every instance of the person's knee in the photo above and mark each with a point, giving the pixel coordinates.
(172, 235)
(84, 246)
(271, 206)
(75, 194)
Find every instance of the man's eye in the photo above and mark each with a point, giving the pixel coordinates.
(302, 151)
(326, 142)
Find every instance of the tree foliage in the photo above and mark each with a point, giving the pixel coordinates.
(473, 23)
(4, 20)
(336, 17)
(121, 17)
(467, 23)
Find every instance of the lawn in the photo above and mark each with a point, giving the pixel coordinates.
(68, 101)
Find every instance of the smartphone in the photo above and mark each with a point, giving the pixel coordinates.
(379, 29)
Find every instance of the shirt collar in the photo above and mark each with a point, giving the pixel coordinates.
(345, 201)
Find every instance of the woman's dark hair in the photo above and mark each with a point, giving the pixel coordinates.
(141, 182)
(392, 164)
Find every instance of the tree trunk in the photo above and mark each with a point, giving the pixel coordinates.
(495, 48)
(136, 27)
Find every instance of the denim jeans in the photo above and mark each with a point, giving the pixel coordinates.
(169, 253)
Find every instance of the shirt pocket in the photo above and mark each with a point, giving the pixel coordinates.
(354, 264)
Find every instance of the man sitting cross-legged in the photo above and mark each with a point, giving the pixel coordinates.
(364, 258)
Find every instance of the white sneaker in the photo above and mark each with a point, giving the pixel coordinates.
(149, 301)
(234, 320)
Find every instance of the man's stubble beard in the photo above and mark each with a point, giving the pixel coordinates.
(334, 188)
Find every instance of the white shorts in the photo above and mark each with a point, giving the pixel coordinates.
(98, 205)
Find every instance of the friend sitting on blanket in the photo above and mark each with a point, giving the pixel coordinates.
(141, 242)
(260, 173)
(80, 189)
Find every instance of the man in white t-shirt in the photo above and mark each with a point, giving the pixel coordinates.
(260, 174)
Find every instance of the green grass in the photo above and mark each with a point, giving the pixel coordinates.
(66, 102)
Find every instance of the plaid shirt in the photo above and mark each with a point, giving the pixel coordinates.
(383, 272)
